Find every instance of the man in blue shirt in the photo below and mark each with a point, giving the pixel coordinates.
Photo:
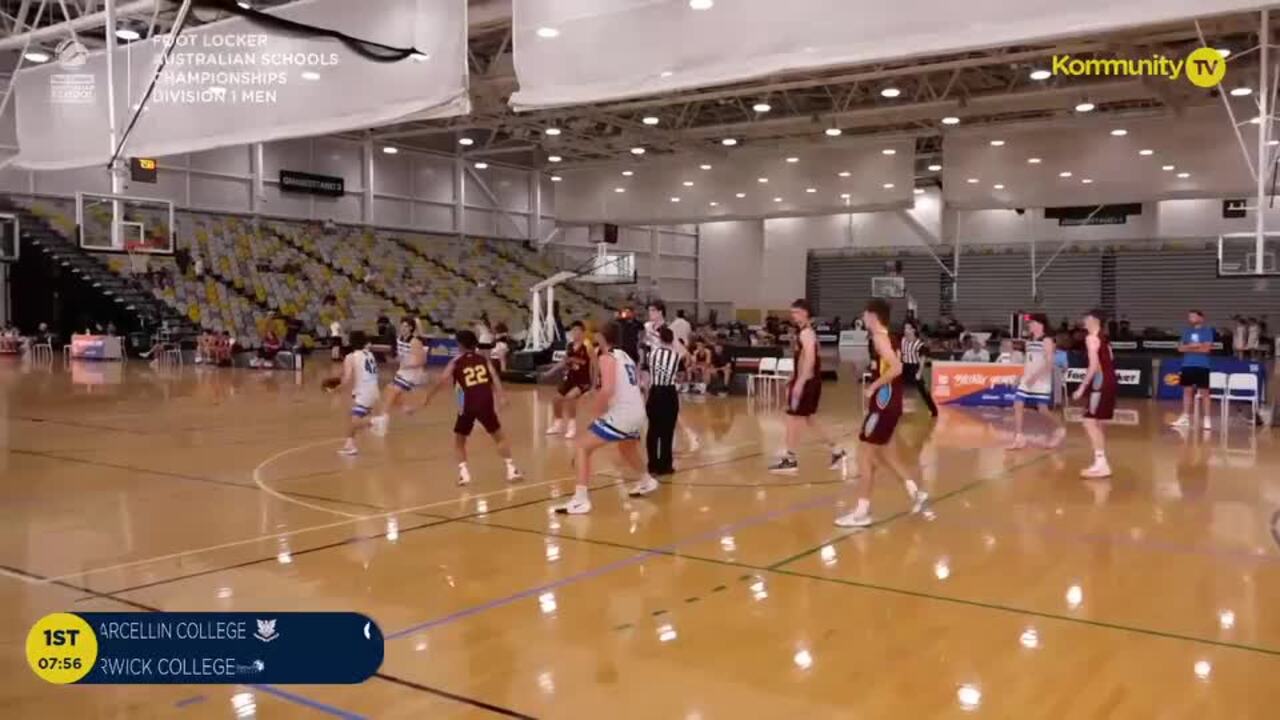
(1196, 344)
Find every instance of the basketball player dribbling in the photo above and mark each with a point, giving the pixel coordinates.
(360, 373)
(884, 408)
(804, 393)
(578, 367)
(411, 374)
(1100, 385)
(621, 416)
(1035, 389)
(479, 393)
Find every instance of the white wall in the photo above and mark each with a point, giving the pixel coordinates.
(411, 190)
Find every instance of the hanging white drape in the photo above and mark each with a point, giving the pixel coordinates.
(611, 49)
(236, 82)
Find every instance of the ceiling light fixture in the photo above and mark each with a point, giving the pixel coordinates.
(844, 173)
(762, 180)
(701, 4)
(1146, 151)
(997, 143)
(637, 150)
(1241, 91)
(128, 34)
(845, 196)
(918, 191)
(1033, 161)
(310, 75)
(1041, 74)
(811, 190)
(1085, 106)
(1184, 175)
(482, 165)
(628, 173)
(704, 166)
(1086, 181)
(552, 131)
(998, 186)
(951, 120)
(554, 158)
(972, 181)
(762, 107)
(793, 159)
(548, 32)
(390, 150)
(777, 199)
(36, 56)
(1065, 174)
(619, 189)
(687, 183)
(1167, 168)
(890, 92)
(729, 142)
(675, 199)
(888, 186)
(1119, 132)
(1224, 52)
(556, 178)
(833, 132)
(713, 203)
(739, 195)
(935, 167)
(650, 120)
(888, 151)
(466, 142)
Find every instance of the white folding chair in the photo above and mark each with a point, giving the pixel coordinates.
(1241, 387)
(767, 368)
(781, 377)
(1217, 385)
(42, 352)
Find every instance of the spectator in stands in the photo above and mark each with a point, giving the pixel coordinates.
(383, 327)
(204, 347)
(721, 368)
(199, 267)
(1240, 337)
(629, 330)
(484, 331)
(182, 257)
(270, 348)
(335, 340)
(1008, 354)
(975, 352)
(1253, 339)
(682, 330)
(224, 348)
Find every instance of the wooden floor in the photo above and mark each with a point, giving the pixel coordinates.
(1023, 593)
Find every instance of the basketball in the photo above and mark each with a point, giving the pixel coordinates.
(330, 383)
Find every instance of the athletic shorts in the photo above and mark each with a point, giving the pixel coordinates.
(1034, 399)
(406, 381)
(468, 417)
(1194, 377)
(362, 403)
(611, 429)
(882, 417)
(810, 395)
(568, 384)
(1101, 405)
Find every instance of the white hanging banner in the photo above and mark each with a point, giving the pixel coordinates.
(578, 51)
(236, 81)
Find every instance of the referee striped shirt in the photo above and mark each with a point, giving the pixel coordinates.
(911, 351)
(664, 362)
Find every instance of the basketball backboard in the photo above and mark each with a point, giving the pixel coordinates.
(121, 223)
(1238, 255)
(889, 286)
(611, 268)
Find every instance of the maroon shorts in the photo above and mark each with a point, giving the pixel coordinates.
(569, 382)
(883, 413)
(810, 394)
(468, 417)
(1100, 404)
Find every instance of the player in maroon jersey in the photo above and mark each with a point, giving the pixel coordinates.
(803, 394)
(579, 369)
(1100, 385)
(479, 393)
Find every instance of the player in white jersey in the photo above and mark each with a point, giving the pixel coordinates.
(621, 417)
(1036, 387)
(412, 355)
(360, 373)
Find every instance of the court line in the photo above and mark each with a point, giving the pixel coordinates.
(361, 538)
(841, 537)
(496, 709)
(264, 487)
(307, 702)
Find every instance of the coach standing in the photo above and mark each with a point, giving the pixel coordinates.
(1197, 343)
(663, 406)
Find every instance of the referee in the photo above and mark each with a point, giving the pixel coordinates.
(913, 354)
(663, 406)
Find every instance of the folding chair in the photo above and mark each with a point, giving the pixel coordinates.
(1241, 387)
(42, 352)
(767, 368)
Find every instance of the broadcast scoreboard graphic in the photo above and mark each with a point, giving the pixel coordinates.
(204, 648)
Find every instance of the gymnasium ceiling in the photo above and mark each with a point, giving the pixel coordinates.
(988, 90)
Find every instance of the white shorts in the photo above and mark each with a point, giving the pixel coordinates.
(407, 380)
(617, 428)
(363, 402)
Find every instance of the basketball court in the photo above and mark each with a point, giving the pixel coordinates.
(206, 208)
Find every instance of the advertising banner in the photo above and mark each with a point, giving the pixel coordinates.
(96, 347)
(1133, 375)
(441, 350)
(974, 384)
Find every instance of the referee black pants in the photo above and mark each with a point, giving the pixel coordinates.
(911, 375)
(663, 408)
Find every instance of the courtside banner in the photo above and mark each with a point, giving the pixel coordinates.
(441, 350)
(149, 648)
(974, 384)
(1171, 369)
(236, 82)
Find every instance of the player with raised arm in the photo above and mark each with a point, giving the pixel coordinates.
(412, 373)
(479, 394)
(1035, 389)
(621, 410)
(803, 394)
(360, 373)
(579, 369)
(1100, 385)
(883, 412)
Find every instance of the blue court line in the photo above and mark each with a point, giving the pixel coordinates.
(308, 702)
(663, 551)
